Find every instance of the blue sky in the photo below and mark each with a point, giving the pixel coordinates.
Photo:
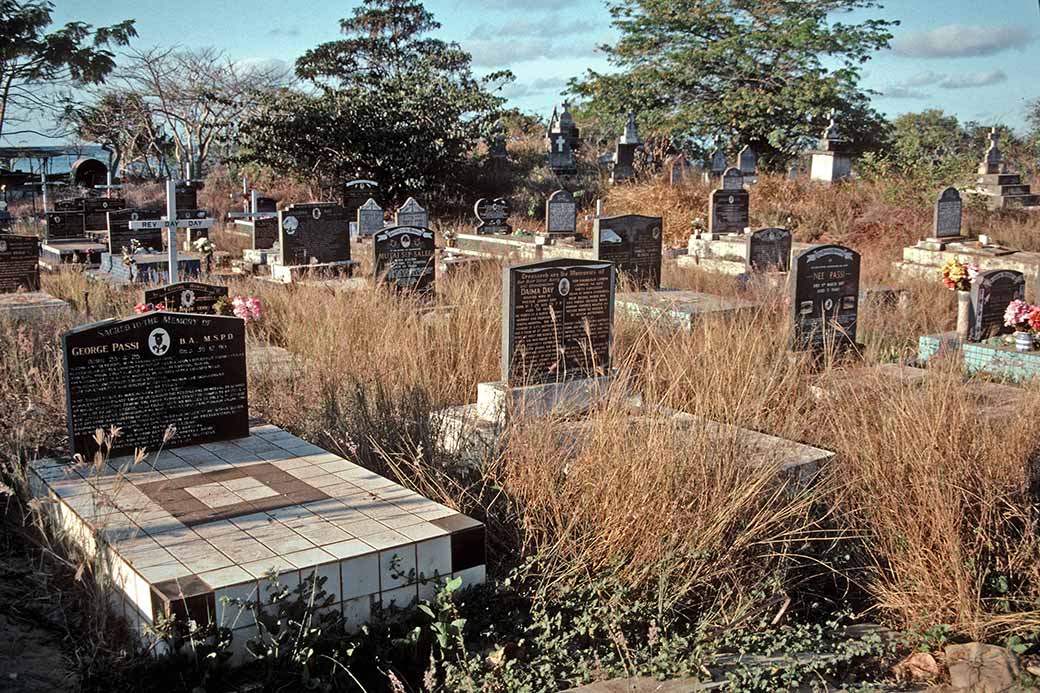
(977, 60)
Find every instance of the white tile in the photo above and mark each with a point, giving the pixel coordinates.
(397, 567)
(357, 612)
(433, 557)
(360, 576)
(428, 590)
(348, 549)
(329, 571)
(308, 558)
(472, 576)
(402, 597)
(229, 614)
(239, 638)
(424, 530)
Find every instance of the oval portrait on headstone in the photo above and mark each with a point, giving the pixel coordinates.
(828, 304)
(134, 216)
(3, 246)
(56, 219)
(316, 212)
(564, 286)
(406, 241)
(656, 233)
(159, 341)
(731, 199)
(290, 224)
(104, 205)
(187, 298)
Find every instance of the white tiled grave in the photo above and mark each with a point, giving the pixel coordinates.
(32, 305)
(207, 522)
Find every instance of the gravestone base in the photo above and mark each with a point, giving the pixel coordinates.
(150, 268)
(994, 357)
(79, 252)
(934, 243)
(830, 167)
(271, 362)
(326, 271)
(926, 263)
(259, 257)
(184, 533)
(32, 305)
(1006, 191)
(533, 248)
(723, 254)
(678, 308)
(451, 263)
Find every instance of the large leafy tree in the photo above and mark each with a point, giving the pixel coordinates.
(760, 72)
(386, 102)
(34, 60)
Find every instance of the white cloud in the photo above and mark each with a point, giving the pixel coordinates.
(958, 41)
(498, 53)
(924, 79)
(898, 91)
(518, 90)
(523, 4)
(976, 79)
(549, 26)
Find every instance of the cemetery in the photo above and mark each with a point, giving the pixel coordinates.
(364, 371)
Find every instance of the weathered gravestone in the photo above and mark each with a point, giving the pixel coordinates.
(747, 162)
(493, 215)
(187, 196)
(825, 298)
(633, 243)
(991, 292)
(625, 152)
(187, 297)
(730, 205)
(949, 211)
(679, 170)
(313, 233)
(355, 194)
(561, 213)
(120, 235)
(19, 263)
(64, 224)
(412, 213)
(404, 258)
(369, 218)
(96, 209)
(69, 204)
(557, 321)
(561, 155)
(769, 250)
(717, 165)
(147, 373)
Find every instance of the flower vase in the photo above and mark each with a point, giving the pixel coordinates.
(963, 315)
(1023, 341)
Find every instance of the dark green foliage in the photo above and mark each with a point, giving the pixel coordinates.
(751, 72)
(384, 103)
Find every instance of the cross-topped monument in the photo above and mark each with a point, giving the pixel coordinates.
(171, 223)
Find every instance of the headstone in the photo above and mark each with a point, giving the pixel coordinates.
(948, 214)
(369, 219)
(355, 194)
(633, 243)
(147, 373)
(557, 321)
(120, 234)
(65, 225)
(991, 292)
(625, 153)
(316, 232)
(733, 179)
(994, 161)
(679, 170)
(69, 204)
(187, 297)
(266, 204)
(19, 263)
(96, 209)
(730, 209)
(497, 144)
(411, 213)
(404, 258)
(561, 155)
(769, 250)
(718, 162)
(187, 196)
(561, 213)
(493, 215)
(747, 162)
(825, 297)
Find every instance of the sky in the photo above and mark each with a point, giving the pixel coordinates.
(975, 59)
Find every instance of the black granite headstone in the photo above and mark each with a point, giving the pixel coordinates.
(149, 372)
(991, 292)
(825, 297)
(948, 214)
(730, 211)
(63, 225)
(561, 213)
(316, 232)
(369, 219)
(493, 215)
(355, 194)
(19, 263)
(404, 258)
(69, 204)
(186, 196)
(633, 243)
(557, 321)
(120, 233)
(96, 209)
(187, 297)
(769, 250)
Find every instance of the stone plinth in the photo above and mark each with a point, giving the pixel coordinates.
(150, 268)
(996, 357)
(290, 274)
(516, 249)
(80, 252)
(271, 362)
(1005, 191)
(726, 254)
(830, 166)
(203, 524)
(925, 261)
(678, 308)
(260, 256)
(32, 305)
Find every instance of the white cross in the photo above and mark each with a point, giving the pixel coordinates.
(108, 187)
(171, 223)
(253, 213)
(560, 141)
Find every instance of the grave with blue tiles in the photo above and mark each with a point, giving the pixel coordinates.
(217, 508)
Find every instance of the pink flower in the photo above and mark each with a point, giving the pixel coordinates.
(1017, 313)
(246, 308)
(973, 271)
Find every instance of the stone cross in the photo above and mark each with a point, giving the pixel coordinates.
(171, 223)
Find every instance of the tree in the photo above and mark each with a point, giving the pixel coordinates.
(748, 71)
(123, 123)
(31, 59)
(386, 103)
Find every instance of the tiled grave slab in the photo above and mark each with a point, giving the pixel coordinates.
(992, 357)
(681, 308)
(182, 533)
(32, 304)
(529, 248)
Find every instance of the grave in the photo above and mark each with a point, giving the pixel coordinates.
(832, 161)
(187, 208)
(1001, 188)
(404, 259)
(561, 214)
(356, 193)
(825, 298)
(369, 219)
(260, 223)
(188, 297)
(747, 162)
(412, 213)
(562, 141)
(623, 161)
(632, 243)
(679, 170)
(95, 213)
(224, 503)
(493, 216)
(65, 238)
(768, 250)
(20, 294)
(729, 207)
(496, 145)
(716, 165)
(313, 243)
